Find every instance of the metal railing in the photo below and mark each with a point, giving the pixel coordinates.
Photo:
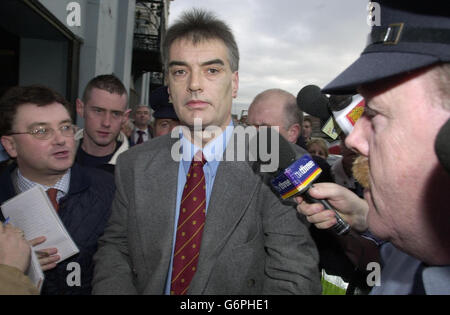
(148, 22)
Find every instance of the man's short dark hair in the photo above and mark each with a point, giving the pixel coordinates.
(34, 94)
(197, 26)
(308, 119)
(105, 82)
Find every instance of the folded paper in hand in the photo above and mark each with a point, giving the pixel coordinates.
(32, 212)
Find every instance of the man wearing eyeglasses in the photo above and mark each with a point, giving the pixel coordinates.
(104, 109)
(37, 131)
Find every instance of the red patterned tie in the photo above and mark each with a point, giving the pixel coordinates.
(51, 193)
(190, 227)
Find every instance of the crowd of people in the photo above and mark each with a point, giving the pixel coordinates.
(153, 210)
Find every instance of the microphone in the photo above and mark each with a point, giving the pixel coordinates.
(347, 109)
(311, 100)
(442, 146)
(340, 112)
(295, 177)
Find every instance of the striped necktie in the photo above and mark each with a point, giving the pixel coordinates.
(190, 227)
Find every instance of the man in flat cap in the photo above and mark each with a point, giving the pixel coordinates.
(165, 117)
(404, 75)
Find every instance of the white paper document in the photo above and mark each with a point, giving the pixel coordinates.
(33, 212)
(35, 272)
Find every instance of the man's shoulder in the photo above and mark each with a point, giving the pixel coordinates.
(148, 148)
(92, 177)
(7, 190)
(299, 151)
(91, 183)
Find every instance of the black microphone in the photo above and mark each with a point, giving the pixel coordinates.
(442, 146)
(344, 109)
(311, 101)
(295, 176)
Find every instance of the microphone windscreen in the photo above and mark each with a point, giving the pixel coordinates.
(311, 101)
(339, 102)
(442, 146)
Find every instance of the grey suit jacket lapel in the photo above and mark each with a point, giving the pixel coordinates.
(229, 200)
(155, 181)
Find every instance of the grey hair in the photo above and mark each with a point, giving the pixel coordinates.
(199, 25)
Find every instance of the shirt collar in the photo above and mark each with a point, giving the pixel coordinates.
(62, 185)
(213, 151)
(145, 131)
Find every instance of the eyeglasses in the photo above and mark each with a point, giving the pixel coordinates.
(45, 133)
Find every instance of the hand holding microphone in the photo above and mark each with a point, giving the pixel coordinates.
(350, 207)
(295, 177)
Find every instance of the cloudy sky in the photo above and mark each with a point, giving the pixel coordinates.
(288, 44)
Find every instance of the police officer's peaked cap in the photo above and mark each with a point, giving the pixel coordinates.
(159, 101)
(410, 35)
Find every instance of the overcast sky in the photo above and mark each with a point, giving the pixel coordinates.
(288, 44)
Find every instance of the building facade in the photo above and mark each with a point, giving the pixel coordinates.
(63, 44)
(151, 22)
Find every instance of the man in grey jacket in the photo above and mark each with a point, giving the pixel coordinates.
(249, 242)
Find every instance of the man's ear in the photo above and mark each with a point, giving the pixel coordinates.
(80, 108)
(170, 96)
(126, 115)
(294, 132)
(10, 145)
(235, 84)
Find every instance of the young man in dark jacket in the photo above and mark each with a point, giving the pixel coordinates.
(37, 131)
